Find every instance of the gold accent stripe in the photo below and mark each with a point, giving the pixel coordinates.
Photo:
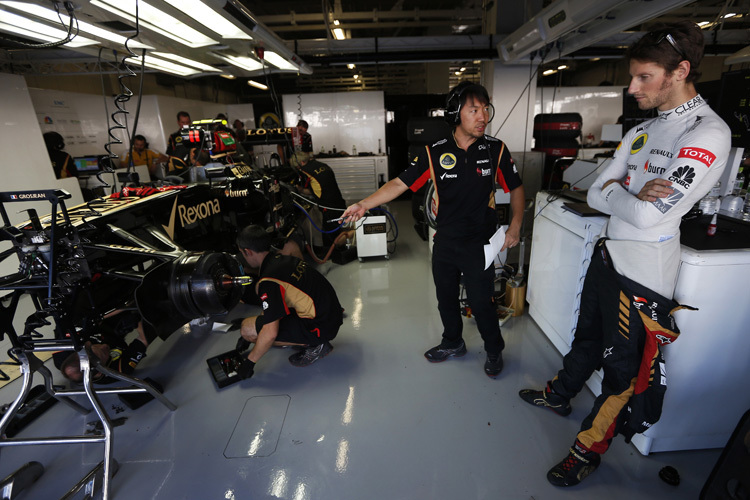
(607, 414)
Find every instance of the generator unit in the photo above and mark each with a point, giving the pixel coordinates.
(372, 237)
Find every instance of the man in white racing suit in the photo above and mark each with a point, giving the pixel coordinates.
(660, 169)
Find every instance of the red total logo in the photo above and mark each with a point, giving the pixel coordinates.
(702, 155)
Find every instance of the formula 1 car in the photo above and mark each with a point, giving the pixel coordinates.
(163, 251)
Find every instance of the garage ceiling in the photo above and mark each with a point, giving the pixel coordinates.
(394, 45)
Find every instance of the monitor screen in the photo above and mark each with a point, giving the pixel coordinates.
(87, 164)
(734, 105)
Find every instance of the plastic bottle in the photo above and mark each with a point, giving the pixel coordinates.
(712, 226)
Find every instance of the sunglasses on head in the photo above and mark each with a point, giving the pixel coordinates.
(661, 36)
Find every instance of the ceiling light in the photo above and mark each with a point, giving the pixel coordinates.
(731, 14)
(50, 15)
(562, 67)
(209, 18)
(336, 22)
(186, 61)
(169, 67)
(246, 63)
(228, 76)
(703, 23)
(356, 77)
(458, 73)
(462, 70)
(278, 61)
(257, 85)
(549, 72)
(351, 66)
(156, 20)
(23, 26)
(338, 34)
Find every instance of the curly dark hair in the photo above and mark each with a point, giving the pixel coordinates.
(686, 44)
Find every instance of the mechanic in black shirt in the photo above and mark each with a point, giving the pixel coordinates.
(300, 307)
(320, 181)
(175, 146)
(307, 145)
(462, 166)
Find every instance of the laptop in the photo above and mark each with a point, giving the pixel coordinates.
(87, 165)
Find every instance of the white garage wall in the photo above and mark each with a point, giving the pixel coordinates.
(343, 119)
(82, 118)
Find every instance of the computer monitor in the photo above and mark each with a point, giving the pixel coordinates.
(87, 164)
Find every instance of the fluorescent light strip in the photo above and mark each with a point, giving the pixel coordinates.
(169, 67)
(338, 34)
(186, 61)
(257, 85)
(209, 18)
(246, 63)
(278, 61)
(39, 31)
(50, 15)
(156, 20)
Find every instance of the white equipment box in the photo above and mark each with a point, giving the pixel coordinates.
(372, 238)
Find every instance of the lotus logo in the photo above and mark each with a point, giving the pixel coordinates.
(638, 143)
(447, 161)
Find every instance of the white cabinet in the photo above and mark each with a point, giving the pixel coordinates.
(358, 176)
(561, 248)
(707, 367)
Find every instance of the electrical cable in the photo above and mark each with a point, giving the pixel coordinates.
(71, 31)
(122, 98)
(313, 222)
(276, 103)
(554, 195)
(522, 91)
(131, 163)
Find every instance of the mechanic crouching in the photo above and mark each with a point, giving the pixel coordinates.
(300, 307)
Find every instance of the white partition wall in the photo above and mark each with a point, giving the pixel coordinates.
(341, 119)
(82, 118)
(24, 164)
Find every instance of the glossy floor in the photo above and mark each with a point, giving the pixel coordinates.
(373, 420)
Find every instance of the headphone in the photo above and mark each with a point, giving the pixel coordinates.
(54, 141)
(453, 102)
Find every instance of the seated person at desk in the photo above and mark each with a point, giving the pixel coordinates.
(320, 181)
(62, 163)
(143, 156)
(300, 307)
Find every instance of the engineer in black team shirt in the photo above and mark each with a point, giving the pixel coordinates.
(466, 167)
(300, 307)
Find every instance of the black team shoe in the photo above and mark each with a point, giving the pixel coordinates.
(440, 353)
(579, 463)
(311, 354)
(494, 364)
(547, 399)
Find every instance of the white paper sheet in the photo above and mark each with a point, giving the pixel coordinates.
(493, 247)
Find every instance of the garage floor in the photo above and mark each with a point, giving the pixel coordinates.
(374, 420)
